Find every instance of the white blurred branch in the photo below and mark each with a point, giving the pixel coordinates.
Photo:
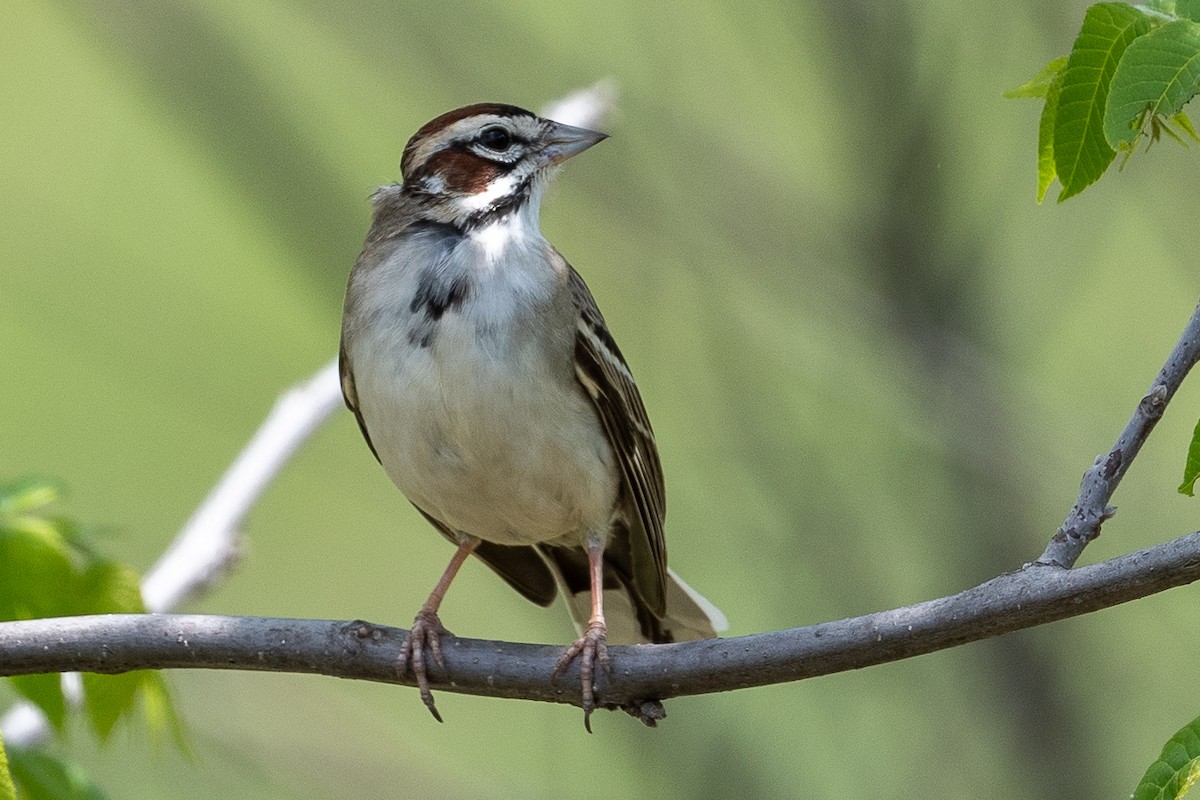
(586, 108)
(208, 542)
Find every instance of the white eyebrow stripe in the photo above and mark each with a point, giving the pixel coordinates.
(465, 129)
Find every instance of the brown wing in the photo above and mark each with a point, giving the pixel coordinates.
(521, 567)
(350, 395)
(604, 375)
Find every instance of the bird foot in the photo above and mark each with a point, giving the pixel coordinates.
(590, 649)
(426, 634)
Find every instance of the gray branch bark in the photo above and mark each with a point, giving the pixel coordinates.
(1100, 481)
(641, 676)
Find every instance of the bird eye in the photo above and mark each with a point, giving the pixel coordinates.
(495, 138)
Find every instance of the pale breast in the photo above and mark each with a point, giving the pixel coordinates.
(472, 403)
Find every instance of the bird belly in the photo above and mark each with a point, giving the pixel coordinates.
(488, 439)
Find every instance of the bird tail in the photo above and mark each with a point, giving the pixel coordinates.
(689, 616)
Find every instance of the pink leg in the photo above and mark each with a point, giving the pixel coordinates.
(427, 628)
(592, 647)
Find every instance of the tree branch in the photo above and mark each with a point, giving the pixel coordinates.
(641, 674)
(1100, 481)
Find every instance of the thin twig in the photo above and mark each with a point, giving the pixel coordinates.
(1100, 481)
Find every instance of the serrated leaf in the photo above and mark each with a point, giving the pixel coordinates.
(37, 578)
(1158, 74)
(107, 587)
(1191, 469)
(7, 790)
(108, 698)
(28, 494)
(1183, 123)
(1046, 170)
(1039, 85)
(161, 717)
(43, 776)
(1177, 767)
(1081, 151)
(1188, 9)
(44, 691)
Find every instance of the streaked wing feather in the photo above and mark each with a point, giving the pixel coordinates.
(604, 375)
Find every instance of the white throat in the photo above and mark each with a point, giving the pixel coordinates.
(512, 233)
(498, 237)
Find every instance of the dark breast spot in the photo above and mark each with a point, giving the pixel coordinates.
(421, 335)
(436, 295)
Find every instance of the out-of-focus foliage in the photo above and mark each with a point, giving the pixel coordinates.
(7, 790)
(875, 368)
(43, 776)
(49, 567)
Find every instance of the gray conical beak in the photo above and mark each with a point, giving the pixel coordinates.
(564, 141)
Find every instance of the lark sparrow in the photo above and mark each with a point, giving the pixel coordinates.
(488, 386)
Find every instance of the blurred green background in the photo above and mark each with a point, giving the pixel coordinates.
(876, 368)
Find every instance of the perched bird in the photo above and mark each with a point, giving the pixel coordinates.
(488, 386)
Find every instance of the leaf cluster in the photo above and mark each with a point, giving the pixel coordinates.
(1128, 76)
(50, 567)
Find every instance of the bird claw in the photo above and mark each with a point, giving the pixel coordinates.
(426, 634)
(590, 648)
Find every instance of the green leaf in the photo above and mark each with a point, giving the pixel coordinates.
(1191, 470)
(1188, 9)
(1158, 74)
(42, 776)
(110, 588)
(1185, 124)
(48, 568)
(28, 494)
(7, 790)
(107, 587)
(37, 578)
(1081, 152)
(44, 691)
(1048, 84)
(1039, 85)
(1046, 170)
(108, 698)
(1177, 767)
(160, 713)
